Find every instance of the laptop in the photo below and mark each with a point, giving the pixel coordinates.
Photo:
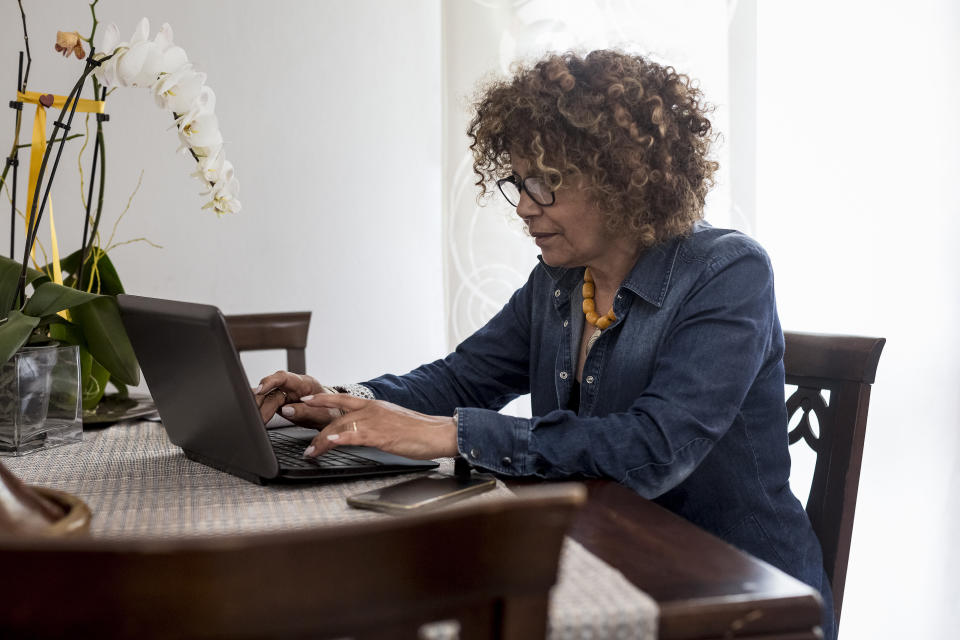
(208, 409)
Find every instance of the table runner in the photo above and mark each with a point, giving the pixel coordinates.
(137, 483)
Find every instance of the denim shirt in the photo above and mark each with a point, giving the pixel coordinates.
(681, 399)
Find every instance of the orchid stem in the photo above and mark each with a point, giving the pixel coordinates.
(14, 160)
(93, 32)
(76, 135)
(26, 43)
(22, 77)
(97, 154)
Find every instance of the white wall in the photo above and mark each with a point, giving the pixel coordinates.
(331, 115)
(857, 170)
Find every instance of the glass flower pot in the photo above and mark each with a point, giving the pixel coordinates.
(40, 399)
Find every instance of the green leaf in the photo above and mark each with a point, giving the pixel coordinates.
(9, 279)
(122, 390)
(14, 333)
(94, 386)
(50, 297)
(9, 274)
(109, 280)
(86, 363)
(106, 338)
(67, 333)
(70, 264)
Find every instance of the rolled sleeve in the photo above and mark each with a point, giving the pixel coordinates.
(494, 441)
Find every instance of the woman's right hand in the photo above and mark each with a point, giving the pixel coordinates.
(280, 392)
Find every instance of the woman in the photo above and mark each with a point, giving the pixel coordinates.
(648, 340)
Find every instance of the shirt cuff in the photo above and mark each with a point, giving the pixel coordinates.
(493, 441)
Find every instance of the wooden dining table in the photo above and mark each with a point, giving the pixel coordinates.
(704, 587)
(138, 483)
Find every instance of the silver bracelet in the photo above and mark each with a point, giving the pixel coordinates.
(355, 390)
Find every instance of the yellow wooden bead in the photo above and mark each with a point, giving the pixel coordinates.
(592, 317)
(612, 315)
(587, 276)
(588, 306)
(587, 289)
(603, 323)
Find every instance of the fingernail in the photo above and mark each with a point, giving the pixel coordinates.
(305, 398)
(259, 388)
(287, 411)
(333, 436)
(309, 451)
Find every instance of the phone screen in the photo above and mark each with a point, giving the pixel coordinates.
(422, 493)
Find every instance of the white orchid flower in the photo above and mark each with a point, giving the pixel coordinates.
(174, 57)
(141, 33)
(110, 39)
(204, 152)
(224, 202)
(226, 176)
(180, 90)
(201, 132)
(210, 167)
(106, 73)
(224, 192)
(110, 43)
(164, 37)
(140, 65)
(136, 63)
(163, 67)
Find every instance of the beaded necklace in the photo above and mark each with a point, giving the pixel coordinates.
(590, 309)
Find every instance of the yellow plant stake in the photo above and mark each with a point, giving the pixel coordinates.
(55, 259)
(37, 147)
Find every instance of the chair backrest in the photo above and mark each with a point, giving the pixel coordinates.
(844, 366)
(489, 566)
(260, 331)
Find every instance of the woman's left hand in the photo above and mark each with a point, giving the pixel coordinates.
(383, 425)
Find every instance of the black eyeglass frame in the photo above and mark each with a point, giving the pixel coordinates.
(521, 185)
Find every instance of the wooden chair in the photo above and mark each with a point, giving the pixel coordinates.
(261, 331)
(489, 566)
(846, 367)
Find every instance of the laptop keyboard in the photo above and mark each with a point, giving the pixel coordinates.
(289, 453)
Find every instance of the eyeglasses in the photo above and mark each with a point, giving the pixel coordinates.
(535, 187)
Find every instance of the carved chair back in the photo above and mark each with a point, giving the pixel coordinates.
(488, 566)
(261, 331)
(841, 368)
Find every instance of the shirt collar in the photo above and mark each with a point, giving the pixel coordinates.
(649, 278)
(563, 278)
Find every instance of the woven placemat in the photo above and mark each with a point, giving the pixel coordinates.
(139, 484)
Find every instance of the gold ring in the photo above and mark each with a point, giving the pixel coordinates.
(354, 426)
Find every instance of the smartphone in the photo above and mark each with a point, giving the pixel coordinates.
(424, 493)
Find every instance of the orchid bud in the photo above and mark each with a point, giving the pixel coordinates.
(70, 42)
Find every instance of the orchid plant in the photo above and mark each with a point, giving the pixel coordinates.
(71, 299)
(163, 68)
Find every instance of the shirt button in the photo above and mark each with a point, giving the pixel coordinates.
(589, 379)
(563, 375)
(566, 322)
(619, 296)
(556, 294)
(474, 453)
(506, 461)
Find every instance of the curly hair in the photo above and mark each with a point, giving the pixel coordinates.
(635, 130)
